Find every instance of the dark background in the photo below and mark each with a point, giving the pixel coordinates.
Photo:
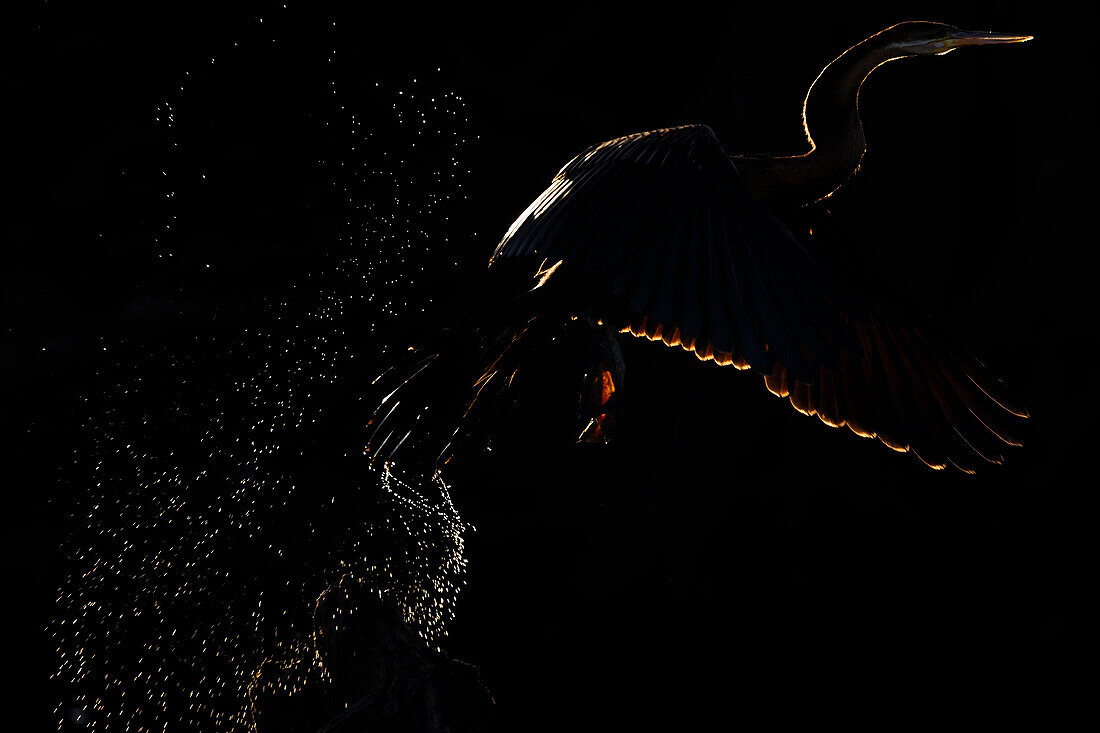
(728, 557)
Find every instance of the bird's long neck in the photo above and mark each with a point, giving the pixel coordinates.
(831, 121)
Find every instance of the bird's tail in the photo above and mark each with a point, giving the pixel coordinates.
(445, 390)
(524, 352)
(437, 397)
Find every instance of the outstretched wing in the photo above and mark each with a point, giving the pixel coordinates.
(909, 386)
(699, 264)
(665, 214)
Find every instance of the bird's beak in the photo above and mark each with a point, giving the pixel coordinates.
(958, 39)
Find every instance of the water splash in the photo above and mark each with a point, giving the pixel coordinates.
(213, 504)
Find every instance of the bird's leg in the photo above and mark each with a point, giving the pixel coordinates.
(603, 381)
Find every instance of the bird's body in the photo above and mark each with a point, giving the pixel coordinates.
(663, 234)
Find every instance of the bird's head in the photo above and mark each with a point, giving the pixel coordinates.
(925, 38)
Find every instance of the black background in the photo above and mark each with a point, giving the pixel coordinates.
(727, 557)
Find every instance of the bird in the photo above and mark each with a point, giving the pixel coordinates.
(665, 236)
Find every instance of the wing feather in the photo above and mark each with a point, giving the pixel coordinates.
(693, 261)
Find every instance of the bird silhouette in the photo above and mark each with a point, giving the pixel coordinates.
(664, 235)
